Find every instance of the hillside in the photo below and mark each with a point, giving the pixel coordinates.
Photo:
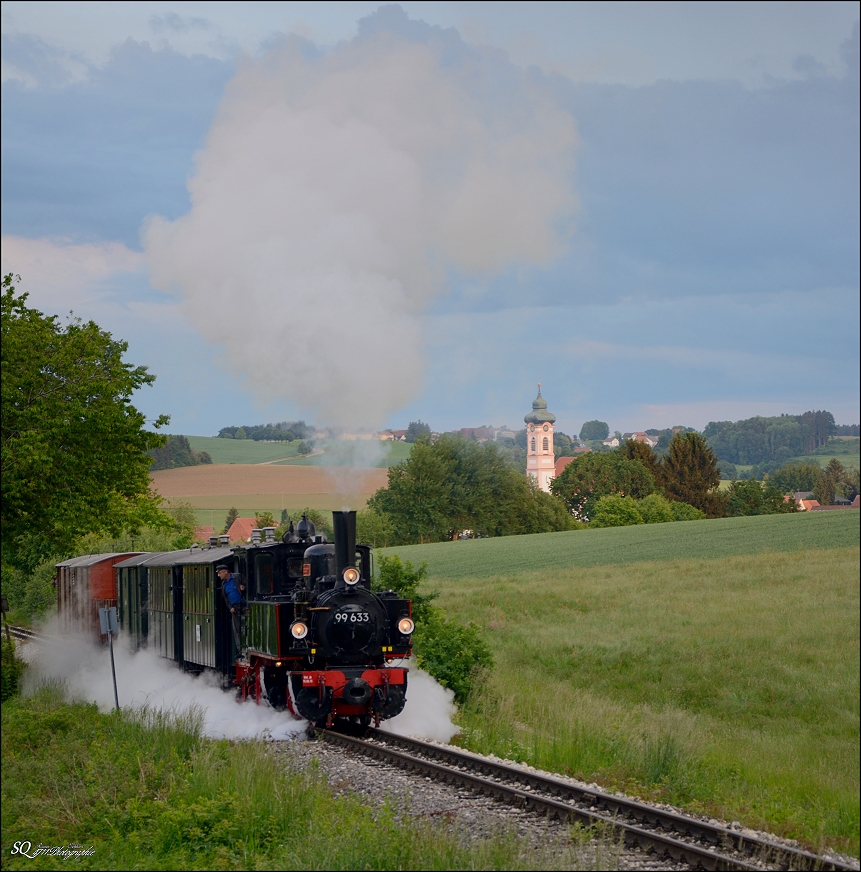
(247, 451)
(709, 664)
(723, 537)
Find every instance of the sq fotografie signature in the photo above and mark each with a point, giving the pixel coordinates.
(26, 849)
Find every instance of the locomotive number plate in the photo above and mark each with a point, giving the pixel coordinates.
(352, 617)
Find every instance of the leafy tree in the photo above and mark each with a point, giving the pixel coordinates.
(655, 509)
(753, 498)
(264, 519)
(594, 431)
(615, 512)
(456, 484)
(304, 448)
(592, 476)
(796, 477)
(836, 481)
(418, 496)
(691, 475)
(177, 452)
(417, 429)
(73, 458)
(374, 528)
(240, 434)
(633, 449)
(232, 515)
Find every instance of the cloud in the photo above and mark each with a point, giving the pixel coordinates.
(336, 189)
(170, 21)
(63, 276)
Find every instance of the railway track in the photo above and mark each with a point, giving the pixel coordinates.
(22, 634)
(698, 843)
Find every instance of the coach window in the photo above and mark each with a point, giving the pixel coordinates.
(264, 565)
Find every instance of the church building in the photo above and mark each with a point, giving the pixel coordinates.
(539, 442)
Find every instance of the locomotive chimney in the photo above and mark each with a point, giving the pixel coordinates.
(345, 540)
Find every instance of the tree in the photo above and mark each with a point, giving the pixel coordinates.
(796, 477)
(753, 498)
(232, 515)
(264, 519)
(73, 458)
(655, 509)
(302, 448)
(594, 431)
(691, 475)
(418, 495)
(177, 452)
(633, 449)
(416, 429)
(592, 476)
(615, 512)
(457, 484)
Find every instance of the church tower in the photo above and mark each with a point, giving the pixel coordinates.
(539, 442)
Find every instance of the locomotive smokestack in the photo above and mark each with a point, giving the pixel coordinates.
(345, 540)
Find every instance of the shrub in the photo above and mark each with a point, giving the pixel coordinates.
(655, 509)
(686, 512)
(615, 512)
(11, 669)
(450, 651)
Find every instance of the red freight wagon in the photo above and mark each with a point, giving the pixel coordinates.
(85, 585)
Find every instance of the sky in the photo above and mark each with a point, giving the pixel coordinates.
(364, 215)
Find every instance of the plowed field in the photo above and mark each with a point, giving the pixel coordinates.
(217, 479)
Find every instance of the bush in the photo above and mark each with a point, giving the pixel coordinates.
(11, 669)
(451, 652)
(655, 509)
(374, 528)
(31, 594)
(615, 512)
(686, 512)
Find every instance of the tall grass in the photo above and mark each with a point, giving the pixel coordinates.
(146, 791)
(729, 685)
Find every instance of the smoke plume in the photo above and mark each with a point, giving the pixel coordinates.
(336, 192)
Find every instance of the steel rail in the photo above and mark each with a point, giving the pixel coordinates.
(24, 634)
(554, 796)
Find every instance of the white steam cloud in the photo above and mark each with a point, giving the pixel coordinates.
(144, 678)
(334, 193)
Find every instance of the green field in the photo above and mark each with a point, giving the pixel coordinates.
(712, 664)
(333, 453)
(724, 537)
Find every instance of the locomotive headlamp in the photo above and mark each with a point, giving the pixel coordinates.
(406, 626)
(299, 630)
(351, 575)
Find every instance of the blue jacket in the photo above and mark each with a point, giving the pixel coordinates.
(231, 591)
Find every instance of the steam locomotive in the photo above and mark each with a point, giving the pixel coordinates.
(311, 637)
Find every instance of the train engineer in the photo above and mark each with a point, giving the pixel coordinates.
(235, 593)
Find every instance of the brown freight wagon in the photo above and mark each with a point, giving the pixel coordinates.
(85, 585)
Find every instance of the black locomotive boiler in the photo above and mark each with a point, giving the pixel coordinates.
(311, 638)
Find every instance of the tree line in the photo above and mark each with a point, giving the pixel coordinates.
(762, 440)
(177, 452)
(283, 431)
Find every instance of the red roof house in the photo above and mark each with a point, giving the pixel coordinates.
(240, 530)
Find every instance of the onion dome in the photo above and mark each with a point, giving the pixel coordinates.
(539, 414)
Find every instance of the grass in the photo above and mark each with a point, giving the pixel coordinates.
(709, 664)
(212, 511)
(249, 451)
(144, 790)
(725, 537)
(242, 450)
